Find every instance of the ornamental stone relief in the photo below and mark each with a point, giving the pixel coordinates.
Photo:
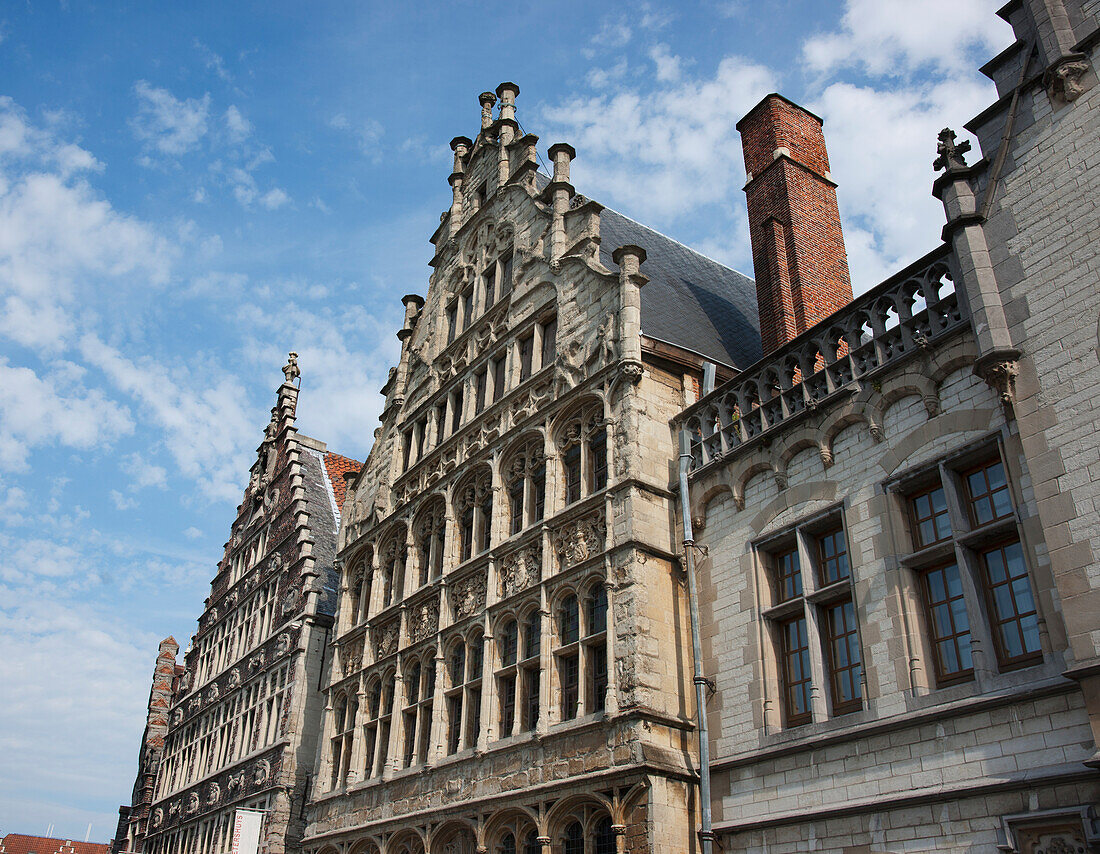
(468, 595)
(282, 645)
(261, 772)
(520, 570)
(578, 540)
(351, 657)
(385, 642)
(213, 794)
(424, 622)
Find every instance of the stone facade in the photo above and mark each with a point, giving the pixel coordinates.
(897, 515)
(238, 729)
(511, 653)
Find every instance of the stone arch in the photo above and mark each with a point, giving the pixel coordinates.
(825, 491)
(410, 840)
(587, 808)
(586, 411)
(367, 845)
(504, 820)
(960, 354)
(711, 493)
(454, 836)
(748, 473)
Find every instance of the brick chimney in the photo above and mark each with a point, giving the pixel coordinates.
(797, 247)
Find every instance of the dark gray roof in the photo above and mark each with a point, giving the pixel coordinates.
(691, 300)
(322, 525)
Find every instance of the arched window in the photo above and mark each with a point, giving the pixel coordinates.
(475, 514)
(370, 728)
(463, 694)
(582, 444)
(429, 531)
(604, 837)
(393, 570)
(417, 715)
(525, 480)
(516, 829)
(572, 841)
(568, 657)
(530, 670)
(385, 721)
(595, 647)
(343, 737)
(508, 844)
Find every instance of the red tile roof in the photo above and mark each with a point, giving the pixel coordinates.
(336, 466)
(19, 843)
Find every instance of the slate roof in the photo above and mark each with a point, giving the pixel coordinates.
(691, 300)
(323, 524)
(19, 843)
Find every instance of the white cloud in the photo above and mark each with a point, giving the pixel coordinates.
(237, 125)
(668, 66)
(895, 38)
(192, 533)
(144, 473)
(201, 409)
(665, 152)
(53, 409)
(167, 124)
(274, 199)
(58, 237)
(121, 502)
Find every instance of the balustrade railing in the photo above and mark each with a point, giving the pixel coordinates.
(910, 310)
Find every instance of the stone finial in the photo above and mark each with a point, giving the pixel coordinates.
(562, 153)
(290, 369)
(950, 154)
(629, 258)
(486, 99)
(461, 146)
(507, 93)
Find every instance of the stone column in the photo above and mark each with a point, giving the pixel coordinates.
(997, 357)
(630, 259)
(561, 191)
(436, 749)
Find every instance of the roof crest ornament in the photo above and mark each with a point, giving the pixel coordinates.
(950, 154)
(290, 369)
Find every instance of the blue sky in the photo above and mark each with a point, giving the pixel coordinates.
(190, 190)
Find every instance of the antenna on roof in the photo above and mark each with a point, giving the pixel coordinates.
(49, 831)
(88, 833)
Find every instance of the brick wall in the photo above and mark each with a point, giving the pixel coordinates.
(798, 250)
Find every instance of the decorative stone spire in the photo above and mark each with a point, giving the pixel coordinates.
(561, 191)
(290, 369)
(486, 99)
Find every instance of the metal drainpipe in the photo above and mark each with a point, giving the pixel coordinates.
(706, 835)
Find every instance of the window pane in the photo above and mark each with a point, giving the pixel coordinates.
(597, 455)
(834, 557)
(569, 676)
(1015, 618)
(932, 524)
(948, 622)
(549, 342)
(508, 638)
(844, 657)
(571, 460)
(796, 671)
(988, 493)
(788, 575)
(568, 620)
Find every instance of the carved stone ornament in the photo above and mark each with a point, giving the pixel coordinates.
(193, 803)
(158, 816)
(261, 772)
(386, 643)
(578, 540)
(271, 498)
(212, 693)
(1063, 81)
(194, 703)
(185, 680)
(235, 782)
(1001, 376)
(950, 155)
(781, 480)
(177, 717)
(282, 645)
(520, 570)
(213, 794)
(257, 661)
(234, 678)
(826, 456)
(425, 621)
(351, 657)
(174, 808)
(290, 369)
(876, 432)
(931, 405)
(291, 600)
(468, 596)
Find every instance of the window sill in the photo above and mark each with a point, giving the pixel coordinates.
(991, 532)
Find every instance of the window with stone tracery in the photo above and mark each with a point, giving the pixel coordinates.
(344, 712)
(393, 569)
(525, 481)
(429, 529)
(588, 833)
(376, 731)
(463, 692)
(416, 718)
(359, 591)
(582, 446)
(474, 506)
(519, 673)
(581, 652)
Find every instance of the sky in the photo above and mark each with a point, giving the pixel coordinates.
(190, 190)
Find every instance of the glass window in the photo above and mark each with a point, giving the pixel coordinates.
(845, 661)
(796, 671)
(987, 491)
(481, 380)
(833, 557)
(490, 277)
(571, 462)
(549, 341)
(788, 574)
(1012, 606)
(499, 382)
(509, 635)
(597, 450)
(931, 522)
(526, 346)
(949, 623)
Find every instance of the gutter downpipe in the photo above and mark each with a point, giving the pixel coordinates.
(706, 835)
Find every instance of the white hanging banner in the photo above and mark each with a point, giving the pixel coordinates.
(246, 831)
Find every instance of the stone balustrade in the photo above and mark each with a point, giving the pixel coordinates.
(909, 311)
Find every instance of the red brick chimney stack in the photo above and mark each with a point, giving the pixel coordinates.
(797, 246)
